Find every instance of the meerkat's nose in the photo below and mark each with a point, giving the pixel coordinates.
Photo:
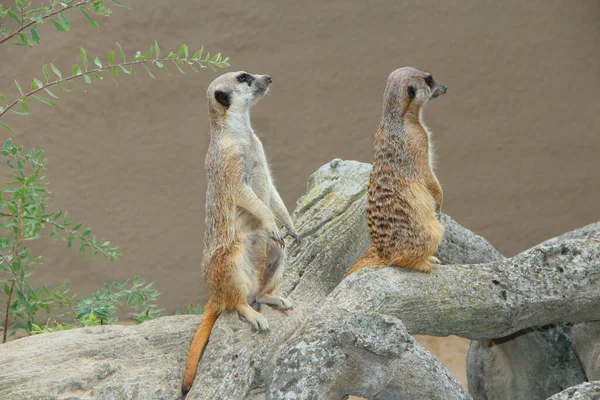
(268, 78)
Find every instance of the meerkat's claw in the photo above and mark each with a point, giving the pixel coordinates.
(284, 304)
(294, 235)
(260, 323)
(276, 236)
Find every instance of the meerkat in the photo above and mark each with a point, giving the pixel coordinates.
(243, 248)
(404, 197)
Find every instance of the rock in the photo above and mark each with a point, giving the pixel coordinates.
(538, 362)
(584, 391)
(532, 364)
(586, 343)
(461, 246)
(103, 362)
(341, 338)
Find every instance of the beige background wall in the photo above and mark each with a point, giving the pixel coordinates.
(517, 135)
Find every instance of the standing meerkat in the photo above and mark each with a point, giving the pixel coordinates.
(243, 248)
(405, 197)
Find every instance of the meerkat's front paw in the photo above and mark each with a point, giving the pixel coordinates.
(275, 301)
(276, 236)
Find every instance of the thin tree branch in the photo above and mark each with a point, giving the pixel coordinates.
(15, 33)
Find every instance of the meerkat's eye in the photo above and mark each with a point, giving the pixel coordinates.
(429, 81)
(243, 78)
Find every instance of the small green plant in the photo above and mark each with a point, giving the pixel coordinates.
(24, 215)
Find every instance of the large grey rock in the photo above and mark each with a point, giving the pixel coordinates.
(586, 343)
(341, 338)
(532, 364)
(461, 246)
(583, 391)
(536, 363)
(103, 362)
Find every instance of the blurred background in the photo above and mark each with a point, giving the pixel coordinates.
(516, 136)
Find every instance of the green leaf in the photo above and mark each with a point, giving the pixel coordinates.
(56, 71)
(14, 16)
(58, 26)
(90, 19)
(179, 68)
(198, 54)
(158, 64)
(19, 87)
(3, 98)
(20, 167)
(51, 94)
(8, 144)
(8, 128)
(76, 70)
(115, 71)
(24, 104)
(34, 36)
(118, 4)
(98, 62)
(148, 53)
(84, 58)
(156, 49)
(63, 20)
(38, 84)
(111, 57)
(122, 52)
(25, 40)
(183, 50)
(18, 112)
(45, 69)
(87, 79)
(149, 72)
(45, 101)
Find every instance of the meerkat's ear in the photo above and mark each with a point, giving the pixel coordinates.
(411, 92)
(223, 98)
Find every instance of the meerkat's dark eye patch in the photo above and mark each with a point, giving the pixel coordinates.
(245, 78)
(223, 98)
(429, 81)
(411, 92)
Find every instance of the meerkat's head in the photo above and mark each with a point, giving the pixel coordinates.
(236, 91)
(408, 89)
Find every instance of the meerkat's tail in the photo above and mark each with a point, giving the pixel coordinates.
(209, 318)
(368, 259)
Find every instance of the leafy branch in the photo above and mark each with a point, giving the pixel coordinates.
(151, 57)
(31, 18)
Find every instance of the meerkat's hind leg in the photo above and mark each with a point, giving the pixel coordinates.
(272, 275)
(424, 266)
(434, 260)
(256, 319)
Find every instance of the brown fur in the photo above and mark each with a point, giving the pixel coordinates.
(243, 249)
(404, 198)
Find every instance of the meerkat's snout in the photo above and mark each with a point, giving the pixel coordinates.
(262, 82)
(438, 91)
